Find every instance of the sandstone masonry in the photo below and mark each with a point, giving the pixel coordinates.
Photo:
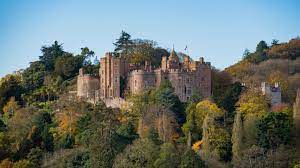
(117, 76)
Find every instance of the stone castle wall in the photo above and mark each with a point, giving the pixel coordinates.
(187, 78)
(87, 86)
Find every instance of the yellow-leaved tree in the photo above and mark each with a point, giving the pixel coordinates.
(252, 106)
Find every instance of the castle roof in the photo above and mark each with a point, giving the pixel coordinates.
(173, 56)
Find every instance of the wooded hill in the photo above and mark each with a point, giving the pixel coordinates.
(42, 125)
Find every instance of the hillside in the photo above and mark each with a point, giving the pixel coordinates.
(275, 63)
(42, 124)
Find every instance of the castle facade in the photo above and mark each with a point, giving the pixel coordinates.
(117, 76)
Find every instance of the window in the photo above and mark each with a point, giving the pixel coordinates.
(134, 82)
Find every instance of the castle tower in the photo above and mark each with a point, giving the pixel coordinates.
(164, 62)
(173, 62)
(186, 62)
(111, 71)
(273, 93)
(87, 85)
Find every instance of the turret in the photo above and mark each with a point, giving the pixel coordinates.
(173, 62)
(164, 63)
(186, 62)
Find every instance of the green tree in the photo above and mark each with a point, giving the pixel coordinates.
(168, 157)
(237, 137)
(104, 150)
(4, 145)
(274, 129)
(216, 139)
(67, 66)
(166, 96)
(10, 86)
(261, 46)
(23, 164)
(123, 44)
(33, 77)
(246, 53)
(10, 108)
(141, 51)
(190, 159)
(50, 54)
(142, 153)
(35, 157)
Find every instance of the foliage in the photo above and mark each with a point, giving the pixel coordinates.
(10, 108)
(104, 150)
(50, 54)
(6, 164)
(10, 86)
(237, 138)
(168, 156)
(216, 139)
(123, 44)
(165, 95)
(67, 66)
(252, 102)
(142, 153)
(190, 159)
(23, 164)
(274, 129)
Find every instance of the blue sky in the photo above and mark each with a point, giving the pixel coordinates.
(219, 30)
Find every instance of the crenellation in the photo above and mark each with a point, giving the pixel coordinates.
(186, 77)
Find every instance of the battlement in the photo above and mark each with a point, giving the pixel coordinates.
(117, 76)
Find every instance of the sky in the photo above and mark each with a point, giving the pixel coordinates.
(218, 30)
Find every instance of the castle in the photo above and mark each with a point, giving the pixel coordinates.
(273, 93)
(117, 76)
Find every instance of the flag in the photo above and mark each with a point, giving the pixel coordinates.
(185, 48)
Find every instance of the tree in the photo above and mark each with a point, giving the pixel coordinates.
(35, 157)
(10, 108)
(23, 164)
(237, 137)
(190, 159)
(123, 44)
(33, 77)
(4, 145)
(67, 66)
(296, 116)
(246, 53)
(166, 96)
(107, 146)
(10, 86)
(274, 129)
(168, 157)
(261, 46)
(6, 164)
(141, 51)
(50, 54)
(142, 153)
(216, 139)
(274, 42)
(252, 102)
